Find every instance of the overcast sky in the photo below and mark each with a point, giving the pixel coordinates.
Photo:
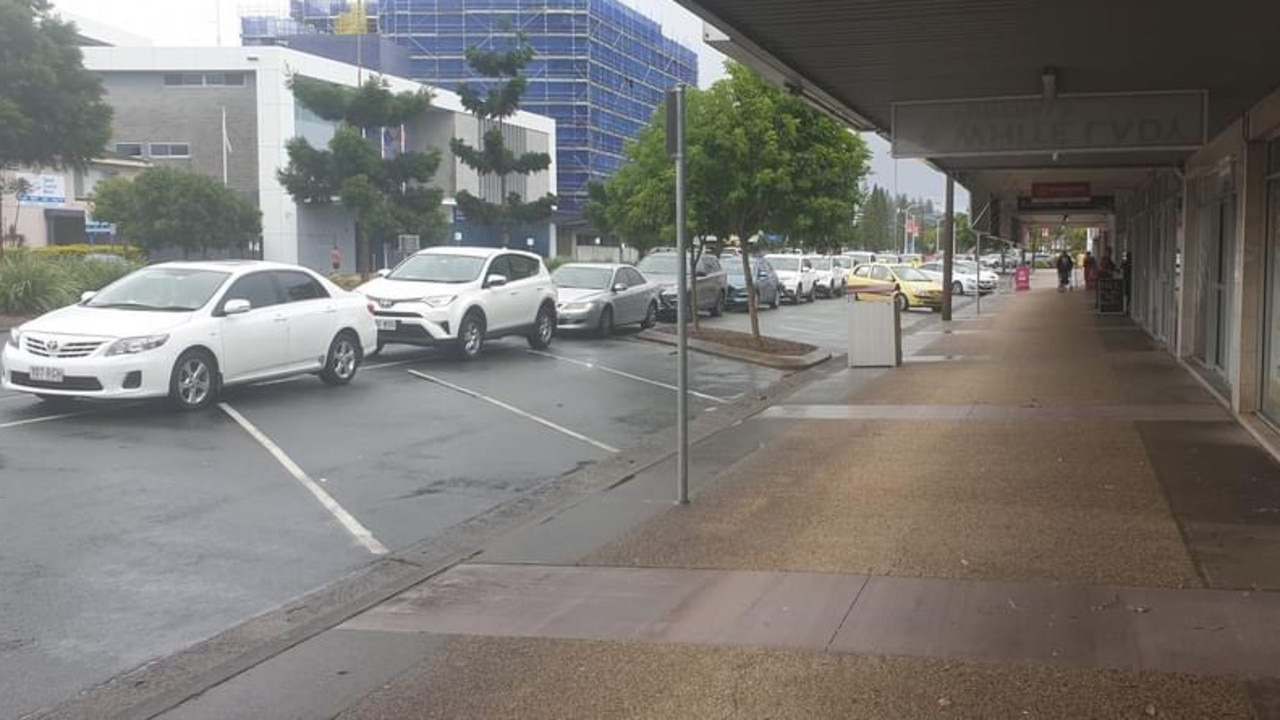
(197, 22)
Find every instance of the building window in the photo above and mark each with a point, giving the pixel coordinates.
(170, 150)
(129, 149)
(211, 79)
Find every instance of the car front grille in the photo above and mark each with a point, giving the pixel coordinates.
(52, 348)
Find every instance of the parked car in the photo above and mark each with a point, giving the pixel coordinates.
(765, 279)
(710, 283)
(860, 258)
(911, 288)
(186, 330)
(887, 258)
(796, 276)
(461, 297)
(965, 280)
(832, 276)
(601, 297)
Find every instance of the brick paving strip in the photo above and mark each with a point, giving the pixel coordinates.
(1212, 632)
(1004, 413)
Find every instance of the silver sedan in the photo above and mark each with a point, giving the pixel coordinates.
(600, 297)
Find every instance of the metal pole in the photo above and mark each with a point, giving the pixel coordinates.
(947, 240)
(977, 266)
(682, 306)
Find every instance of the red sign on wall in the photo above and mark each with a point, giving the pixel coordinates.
(1058, 191)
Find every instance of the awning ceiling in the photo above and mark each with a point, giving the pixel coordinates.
(861, 56)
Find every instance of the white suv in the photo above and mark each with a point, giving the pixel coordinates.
(461, 296)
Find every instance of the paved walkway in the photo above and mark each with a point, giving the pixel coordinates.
(1041, 515)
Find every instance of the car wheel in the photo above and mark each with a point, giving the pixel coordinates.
(343, 360)
(650, 317)
(957, 288)
(544, 328)
(813, 293)
(902, 302)
(471, 336)
(605, 328)
(773, 304)
(798, 296)
(193, 384)
(718, 309)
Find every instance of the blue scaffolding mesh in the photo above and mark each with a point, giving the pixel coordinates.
(602, 68)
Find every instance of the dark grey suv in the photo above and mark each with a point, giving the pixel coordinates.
(710, 282)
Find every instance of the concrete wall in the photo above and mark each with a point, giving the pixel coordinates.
(147, 111)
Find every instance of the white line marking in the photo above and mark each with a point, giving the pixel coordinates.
(7, 398)
(46, 418)
(353, 526)
(395, 363)
(514, 409)
(629, 376)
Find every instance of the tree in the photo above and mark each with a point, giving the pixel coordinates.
(493, 103)
(171, 208)
(876, 227)
(387, 190)
(51, 108)
(758, 160)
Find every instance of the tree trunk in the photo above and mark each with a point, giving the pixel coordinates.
(362, 251)
(753, 306)
(504, 220)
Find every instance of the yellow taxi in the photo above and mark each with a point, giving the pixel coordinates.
(907, 286)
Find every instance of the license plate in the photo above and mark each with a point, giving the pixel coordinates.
(46, 374)
(388, 325)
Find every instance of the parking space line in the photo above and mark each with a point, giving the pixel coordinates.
(511, 408)
(348, 521)
(46, 418)
(394, 363)
(629, 376)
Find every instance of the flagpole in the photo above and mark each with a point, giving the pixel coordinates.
(226, 147)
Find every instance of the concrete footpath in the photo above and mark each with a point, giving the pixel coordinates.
(1041, 515)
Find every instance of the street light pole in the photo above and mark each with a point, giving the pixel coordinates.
(676, 148)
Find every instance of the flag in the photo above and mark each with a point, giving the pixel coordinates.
(226, 139)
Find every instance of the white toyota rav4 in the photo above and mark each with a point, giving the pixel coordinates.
(460, 297)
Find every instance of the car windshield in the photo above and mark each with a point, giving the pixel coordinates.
(659, 265)
(439, 268)
(906, 273)
(733, 268)
(161, 288)
(785, 263)
(965, 267)
(583, 278)
(821, 263)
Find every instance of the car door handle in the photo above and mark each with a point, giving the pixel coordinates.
(330, 310)
(280, 318)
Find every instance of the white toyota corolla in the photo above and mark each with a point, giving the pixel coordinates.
(184, 330)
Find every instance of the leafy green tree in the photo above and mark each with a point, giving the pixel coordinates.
(170, 208)
(390, 196)
(51, 108)
(493, 103)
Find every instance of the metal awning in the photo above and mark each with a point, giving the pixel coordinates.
(857, 58)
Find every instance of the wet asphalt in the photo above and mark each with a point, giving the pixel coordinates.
(129, 532)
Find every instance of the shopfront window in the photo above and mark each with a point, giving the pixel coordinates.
(1271, 331)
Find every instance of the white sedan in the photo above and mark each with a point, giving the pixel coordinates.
(185, 330)
(965, 280)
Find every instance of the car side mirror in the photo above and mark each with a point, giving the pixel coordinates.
(700, 273)
(495, 281)
(384, 272)
(762, 275)
(88, 295)
(620, 287)
(236, 307)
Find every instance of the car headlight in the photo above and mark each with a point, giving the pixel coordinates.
(576, 306)
(135, 345)
(15, 337)
(439, 301)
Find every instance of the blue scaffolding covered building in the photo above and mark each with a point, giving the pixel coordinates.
(601, 68)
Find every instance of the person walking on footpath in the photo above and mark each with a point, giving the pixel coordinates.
(1065, 266)
(1126, 275)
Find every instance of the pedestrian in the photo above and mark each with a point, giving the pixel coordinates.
(335, 258)
(1090, 271)
(1108, 266)
(1065, 266)
(1126, 274)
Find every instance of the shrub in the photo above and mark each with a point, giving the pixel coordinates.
(128, 252)
(30, 285)
(95, 274)
(346, 282)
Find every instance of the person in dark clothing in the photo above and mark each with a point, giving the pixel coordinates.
(1126, 273)
(1065, 266)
